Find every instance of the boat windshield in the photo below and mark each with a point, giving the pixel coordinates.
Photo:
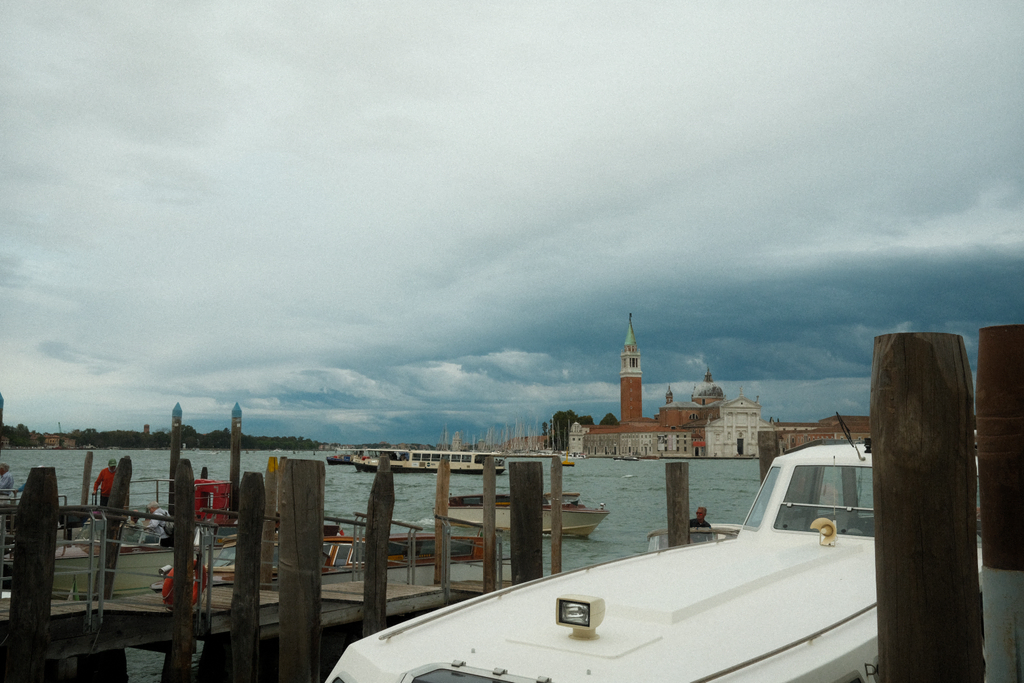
(757, 511)
(840, 493)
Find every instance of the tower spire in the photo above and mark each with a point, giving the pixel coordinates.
(630, 385)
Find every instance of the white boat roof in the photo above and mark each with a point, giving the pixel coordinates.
(682, 614)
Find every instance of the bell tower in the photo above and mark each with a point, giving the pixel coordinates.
(630, 400)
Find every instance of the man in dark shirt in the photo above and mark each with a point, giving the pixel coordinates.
(699, 520)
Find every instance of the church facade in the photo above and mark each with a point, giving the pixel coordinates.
(708, 425)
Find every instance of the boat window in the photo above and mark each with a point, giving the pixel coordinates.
(761, 502)
(840, 493)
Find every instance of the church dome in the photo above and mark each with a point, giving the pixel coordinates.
(708, 390)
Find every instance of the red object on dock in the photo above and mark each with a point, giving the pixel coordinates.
(214, 494)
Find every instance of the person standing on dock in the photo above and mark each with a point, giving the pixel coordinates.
(6, 480)
(105, 481)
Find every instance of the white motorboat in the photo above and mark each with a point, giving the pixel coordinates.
(790, 598)
(577, 519)
(140, 557)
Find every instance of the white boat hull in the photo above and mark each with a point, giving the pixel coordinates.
(137, 569)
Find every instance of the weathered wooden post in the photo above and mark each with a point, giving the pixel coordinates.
(767, 450)
(444, 475)
(302, 536)
(490, 535)
(526, 520)
(378, 530)
(556, 515)
(118, 500)
(86, 477)
(175, 454)
(1000, 401)
(245, 594)
(178, 662)
(32, 577)
(677, 491)
(926, 563)
(270, 484)
(236, 453)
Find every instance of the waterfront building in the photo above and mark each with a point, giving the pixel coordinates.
(709, 424)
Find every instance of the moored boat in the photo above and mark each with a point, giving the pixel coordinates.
(577, 519)
(790, 598)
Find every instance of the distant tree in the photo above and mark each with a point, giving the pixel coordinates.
(610, 419)
(585, 420)
(544, 428)
(560, 424)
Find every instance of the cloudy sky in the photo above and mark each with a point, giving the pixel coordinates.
(369, 221)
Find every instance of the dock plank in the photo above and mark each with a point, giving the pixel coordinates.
(143, 620)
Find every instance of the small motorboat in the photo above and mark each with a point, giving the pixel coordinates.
(577, 519)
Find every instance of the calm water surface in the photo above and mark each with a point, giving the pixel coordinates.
(633, 491)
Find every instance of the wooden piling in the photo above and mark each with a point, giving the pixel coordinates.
(175, 454)
(526, 520)
(926, 564)
(302, 529)
(119, 492)
(236, 454)
(32, 577)
(86, 477)
(179, 659)
(767, 450)
(245, 594)
(270, 485)
(556, 515)
(444, 475)
(378, 531)
(677, 492)
(1000, 403)
(490, 534)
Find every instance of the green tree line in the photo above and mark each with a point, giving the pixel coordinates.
(20, 437)
(562, 421)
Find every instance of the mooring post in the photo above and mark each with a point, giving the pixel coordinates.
(1000, 402)
(175, 454)
(32, 577)
(270, 485)
(179, 659)
(378, 530)
(677, 491)
(302, 537)
(767, 450)
(86, 477)
(245, 594)
(444, 475)
(926, 558)
(119, 492)
(490, 535)
(236, 453)
(526, 520)
(556, 515)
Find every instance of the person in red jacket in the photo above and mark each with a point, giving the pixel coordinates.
(105, 481)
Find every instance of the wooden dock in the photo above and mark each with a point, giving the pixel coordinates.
(144, 621)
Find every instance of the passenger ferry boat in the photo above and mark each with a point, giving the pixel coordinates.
(790, 598)
(426, 461)
(577, 519)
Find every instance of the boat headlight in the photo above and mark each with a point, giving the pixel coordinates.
(582, 613)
